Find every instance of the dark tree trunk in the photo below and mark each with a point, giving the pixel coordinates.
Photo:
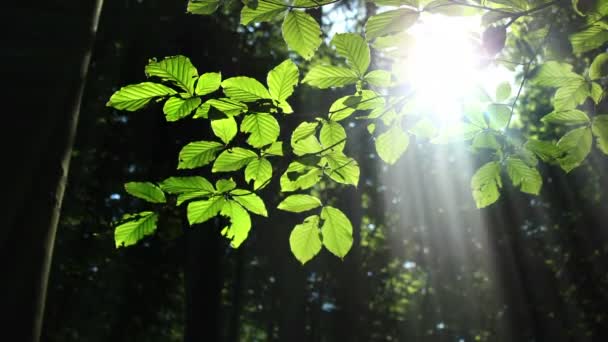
(48, 54)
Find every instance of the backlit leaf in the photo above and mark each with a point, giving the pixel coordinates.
(391, 144)
(337, 231)
(299, 203)
(146, 191)
(233, 159)
(136, 227)
(136, 96)
(304, 239)
(485, 184)
(198, 153)
(177, 70)
(263, 128)
(302, 33)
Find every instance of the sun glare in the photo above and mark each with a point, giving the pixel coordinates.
(443, 66)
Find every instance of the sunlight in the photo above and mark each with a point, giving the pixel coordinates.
(444, 66)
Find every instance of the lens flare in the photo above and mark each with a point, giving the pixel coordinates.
(443, 66)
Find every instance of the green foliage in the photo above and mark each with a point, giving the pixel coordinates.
(198, 153)
(337, 231)
(574, 147)
(391, 144)
(208, 83)
(177, 70)
(202, 7)
(233, 159)
(245, 115)
(326, 76)
(245, 89)
(225, 129)
(135, 227)
(176, 108)
(527, 178)
(146, 191)
(299, 203)
(305, 241)
(600, 131)
(390, 22)
(485, 184)
(264, 129)
(302, 33)
(136, 96)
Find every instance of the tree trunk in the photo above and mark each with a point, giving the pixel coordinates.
(49, 54)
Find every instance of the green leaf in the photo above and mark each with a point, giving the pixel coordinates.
(299, 203)
(555, 74)
(224, 105)
(303, 140)
(146, 191)
(337, 231)
(233, 159)
(424, 128)
(571, 95)
(597, 93)
(345, 106)
(600, 130)
(260, 171)
(599, 66)
(486, 140)
(275, 149)
(187, 188)
(354, 48)
(325, 76)
(225, 129)
(566, 117)
(450, 8)
(202, 7)
(201, 211)
(136, 96)
(498, 116)
(575, 146)
(282, 79)
(378, 78)
(333, 134)
(485, 184)
(302, 33)
(545, 150)
(176, 108)
(263, 127)
(208, 83)
(178, 185)
(197, 154)
(503, 91)
(390, 22)
(240, 223)
(341, 168)
(249, 201)
(391, 144)
(245, 89)
(136, 228)
(590, 38)
(264, 11)
(299, 176)
(304, 239)
(225, 185)
(177, 69)
(527, 178)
